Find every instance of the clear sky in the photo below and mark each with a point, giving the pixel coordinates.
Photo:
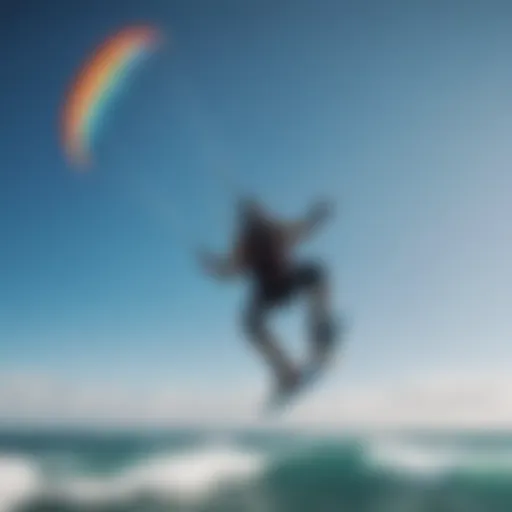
(399, 111)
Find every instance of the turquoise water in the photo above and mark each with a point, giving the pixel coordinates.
(198, 471)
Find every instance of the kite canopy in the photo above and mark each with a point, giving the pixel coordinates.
(96, 85)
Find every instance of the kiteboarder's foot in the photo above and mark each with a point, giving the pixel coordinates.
(325, 337)
(287, 379)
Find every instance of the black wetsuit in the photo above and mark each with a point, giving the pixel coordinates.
(275, 278)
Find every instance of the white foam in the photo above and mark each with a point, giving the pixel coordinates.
(408, 457)
(190, 476)
(436, 461)
(19, 481)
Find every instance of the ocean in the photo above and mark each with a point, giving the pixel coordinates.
(200, 471)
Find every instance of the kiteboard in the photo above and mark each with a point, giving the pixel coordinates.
(308, 375)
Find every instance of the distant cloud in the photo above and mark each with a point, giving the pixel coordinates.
(432, 400)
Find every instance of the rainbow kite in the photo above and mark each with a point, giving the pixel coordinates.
(97, 83)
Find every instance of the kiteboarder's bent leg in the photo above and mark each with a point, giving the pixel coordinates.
(313, 279)
(257, 331)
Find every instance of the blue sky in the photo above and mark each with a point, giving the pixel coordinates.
(400, 112)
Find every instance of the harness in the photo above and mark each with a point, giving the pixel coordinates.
(264, 254)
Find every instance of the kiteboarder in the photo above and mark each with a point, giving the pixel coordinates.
(263, 252)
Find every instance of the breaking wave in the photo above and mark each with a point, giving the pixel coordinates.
(230, 475)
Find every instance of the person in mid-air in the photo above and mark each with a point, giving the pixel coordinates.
(263, 251)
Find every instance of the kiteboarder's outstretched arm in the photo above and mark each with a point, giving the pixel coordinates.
(297, 231)
(222, 267)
